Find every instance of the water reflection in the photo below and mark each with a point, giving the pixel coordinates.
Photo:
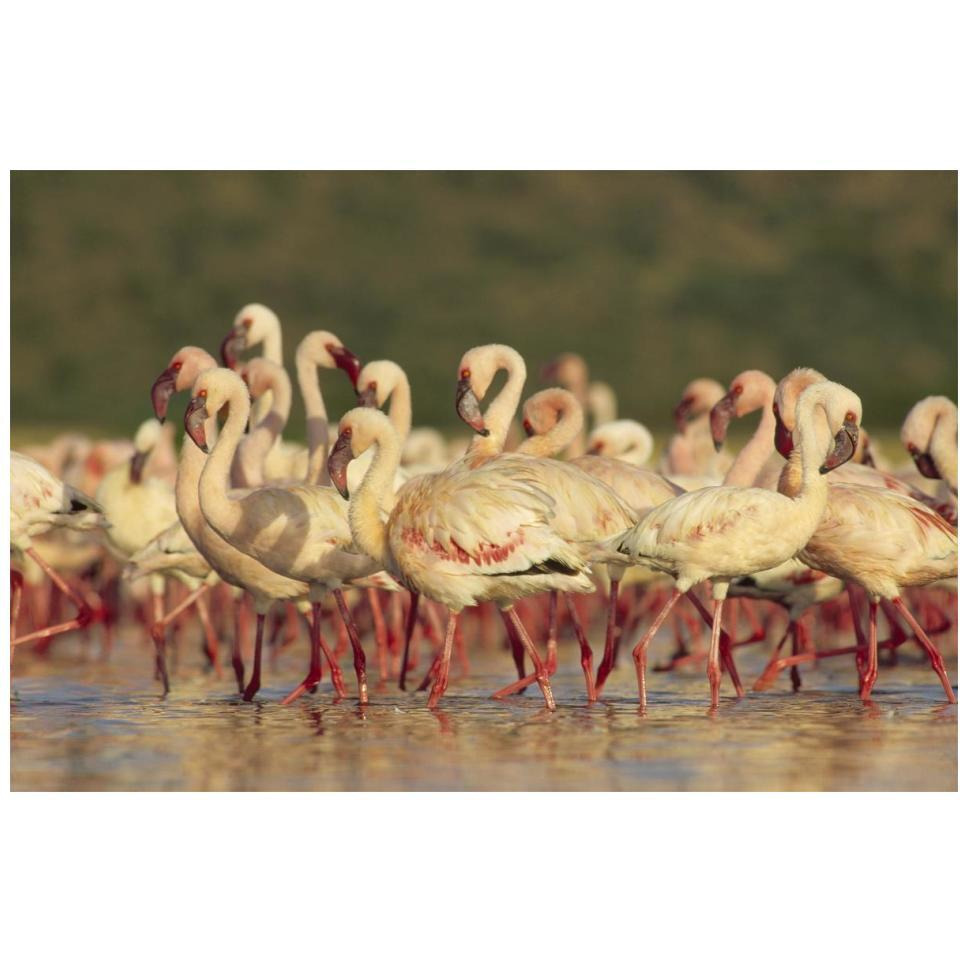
(77, 724)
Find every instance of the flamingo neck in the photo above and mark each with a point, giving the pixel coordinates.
(813, 441)
(401, 406)
(222, 511)
(943, 446)
(253, 450)
(318, 423)
(755, 453)
(187, 487)
(375, 491)
(499, 415)
(559, 437)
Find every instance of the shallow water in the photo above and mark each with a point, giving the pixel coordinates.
(78, 723)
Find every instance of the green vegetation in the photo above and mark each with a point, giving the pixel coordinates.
(655, 278)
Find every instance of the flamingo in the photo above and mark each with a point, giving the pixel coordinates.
(236, 568)
(625, 440)
(720, 533)
(298, 531)
(510, 527)
(929, 434)
(690, 457)
(785, 399)
(570, 371)
(38, 503)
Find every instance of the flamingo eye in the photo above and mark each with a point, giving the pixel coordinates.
(465, 373)
(177, 365)
(850, 417)
(346, 432)
(201, 393)
(372, 385)
(247, 322)
(738, 389)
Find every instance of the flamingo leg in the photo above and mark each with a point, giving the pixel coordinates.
(158, 631)
(511, 619)
(211, 645)
(380, 632)
(725, 645)
(609, 644)
(933, 654)
(586, 653)
(236, 658)
(640, 650)
(870, 674)
(858, 629)
(314, 675)
(443, 670)
(714, 671)
(552, 633)
(254, 685)
(84, 613)
(359, 658)
(408, 633)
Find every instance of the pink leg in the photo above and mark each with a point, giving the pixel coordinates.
(936, 660)
(315, 671)
(212, 645)
(552, 634)
(443, 671)
(511, 620)
(160, 624)
(254, 685)
(640, 650)
(408, 633)
(586, 653)
(380, 632)
(771, 670)
(870, 674)
(858, 629)
(606, 663)
(359, 658)
(724, 644)
(83, 610)
(239, 625)
(713, 660)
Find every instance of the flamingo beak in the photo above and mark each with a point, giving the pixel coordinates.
(682, 413)
(346, 361)
(194, 419)
(925, 464)
(782, 438)
(164, 387)
(137, 462)
(337, 462)
(844, 445)
(368, 397)
(724, 410)
(234, 342)
(468, 407)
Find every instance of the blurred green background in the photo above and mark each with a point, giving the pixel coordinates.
(654, 277)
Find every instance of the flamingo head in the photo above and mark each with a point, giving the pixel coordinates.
(184, 368)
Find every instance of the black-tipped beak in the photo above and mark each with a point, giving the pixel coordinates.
(368, 397)
(724, 410)
(468, 407)
(346, 361)
(844, 445)
(164, 387)
(234, 342)
(194, 419)
(925, 465)
(782, 437)
(337, 463)
(682, 413)
(137, 463)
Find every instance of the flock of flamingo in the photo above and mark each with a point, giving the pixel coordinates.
(377, 528)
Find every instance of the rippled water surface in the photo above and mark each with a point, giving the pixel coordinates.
(81, 724)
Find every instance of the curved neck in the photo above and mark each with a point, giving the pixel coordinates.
(187, 487)
(499, 415)
(568, 425)
(401, 406)
(366, 522)
(751, 459)
(318, 424)
(254, 448)
(221, 511)
(273, 344)
(813, 441)
(943, 446)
